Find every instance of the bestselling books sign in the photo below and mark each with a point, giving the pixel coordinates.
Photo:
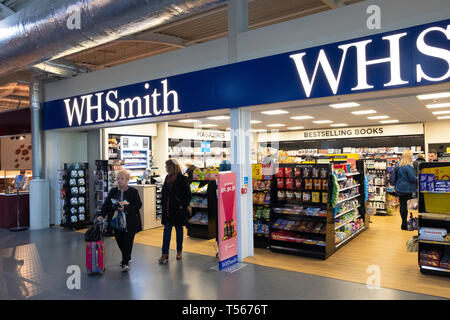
(227, 219)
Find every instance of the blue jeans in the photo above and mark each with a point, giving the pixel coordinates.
(167, 236)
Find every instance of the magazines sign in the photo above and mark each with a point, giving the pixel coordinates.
(228, 245)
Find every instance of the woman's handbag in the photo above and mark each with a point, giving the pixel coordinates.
(413, 223)
(413, 204)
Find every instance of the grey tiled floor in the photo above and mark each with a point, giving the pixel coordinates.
(33, 266)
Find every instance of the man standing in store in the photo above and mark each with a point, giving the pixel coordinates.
(225, 165)
(190, 167)
(432, 155)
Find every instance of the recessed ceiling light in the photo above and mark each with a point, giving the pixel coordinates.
(295, 128)
(219, 118)
(339, 125)
(322, 121)
(442, 112)
(388, 121)
(345, 105)
(259, 130)
(188, 120)
(274, 125)
(377, 117)
(207, 125)
(443, 117)
(434, 96)
(364, 112)
(302, 117)
(438, 105)
(255, 121)
(274, 112)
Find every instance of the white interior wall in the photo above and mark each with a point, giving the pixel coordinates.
(437, 132)
(346, 23)
(60, 148)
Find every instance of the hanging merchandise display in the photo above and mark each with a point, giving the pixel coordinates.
(75, 195)
(376, 173)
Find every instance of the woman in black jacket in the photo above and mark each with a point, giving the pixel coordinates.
(176, 197)
(124, 229)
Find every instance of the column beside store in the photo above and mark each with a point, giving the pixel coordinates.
(161, 147)
(39, 187)
(241, 164)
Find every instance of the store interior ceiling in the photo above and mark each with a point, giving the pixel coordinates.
(396, 106)
(191, 30)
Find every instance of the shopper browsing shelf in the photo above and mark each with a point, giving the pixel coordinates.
(417, 162)
(406, 184)
(176, 197)
(122, 209)
(225, 165)
(190, 169)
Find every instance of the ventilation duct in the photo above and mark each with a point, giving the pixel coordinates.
(51, 29)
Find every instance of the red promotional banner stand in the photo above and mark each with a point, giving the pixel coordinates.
(228, 245)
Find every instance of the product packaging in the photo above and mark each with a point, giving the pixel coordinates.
(316, 197)
(430, 182)
(325, 184)
(423, 181)
(317, 184)
(297, 172)
(280, 173)
(298, 184)
(288, 173)
(280, 183)
(290, 183)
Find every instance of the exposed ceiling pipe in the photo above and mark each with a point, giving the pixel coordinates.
(48, 29)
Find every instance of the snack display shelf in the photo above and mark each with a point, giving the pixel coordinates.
(355, 196)
(350, 237)
(435, 242)
(347, 222)
(350, 210)
(261, 235)
(299, 231)
(299, 240)
(435, 216)
(434, 268)
(297, 214)
(348, 188)
(299, 251)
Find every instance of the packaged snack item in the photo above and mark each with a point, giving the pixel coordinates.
(324, 197)
(73, 219)
(308, 184)
(255, 198)
(281, 195)
(279, 173)
(280, 183)
(310, 227)
(267, 198)
(306, 197)
(316, 197)
(315, 172)
(290, 183)
(74, 190)
(81, 200)
(323, 173)
(423, 181)
(288, 173)
(306, 172)
(289, 195)
(74, 174)
(261, 197)
(72, 182)
(267, 184)
(325, 184)
(81, 182)
(297, 172)
(317, 184)
(298, 184)
(298, 195)
(257, 185)
(81, 173)
(430, 182)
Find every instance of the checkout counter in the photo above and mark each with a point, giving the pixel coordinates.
(147, 193)
(10, 200)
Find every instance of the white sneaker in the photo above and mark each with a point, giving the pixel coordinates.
(125, 268)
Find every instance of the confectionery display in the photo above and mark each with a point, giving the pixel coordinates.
(75, 195)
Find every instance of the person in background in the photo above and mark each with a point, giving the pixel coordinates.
(406, 184)
(21, 181)
(176, 197)
(420, 158)
(131, 224)
(190, 167)
(432, 155)
(225, 165)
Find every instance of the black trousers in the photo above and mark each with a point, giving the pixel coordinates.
(404, 197)
(125, 242)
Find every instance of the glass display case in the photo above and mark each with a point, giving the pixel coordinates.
(7, 178)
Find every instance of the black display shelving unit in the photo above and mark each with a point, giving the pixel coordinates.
(261, 211)
(434, 212)
(76, 196)
(307, 233)
(201, 229)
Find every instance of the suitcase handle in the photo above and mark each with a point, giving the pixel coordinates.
(96, 255)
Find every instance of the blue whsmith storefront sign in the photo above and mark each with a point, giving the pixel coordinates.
(410, 57)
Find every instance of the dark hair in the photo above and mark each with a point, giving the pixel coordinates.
(432, 151)
(420, 156)
(173, 168)
(224, 154)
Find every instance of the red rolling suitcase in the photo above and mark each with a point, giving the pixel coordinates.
(95, 257)
(95, 249)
